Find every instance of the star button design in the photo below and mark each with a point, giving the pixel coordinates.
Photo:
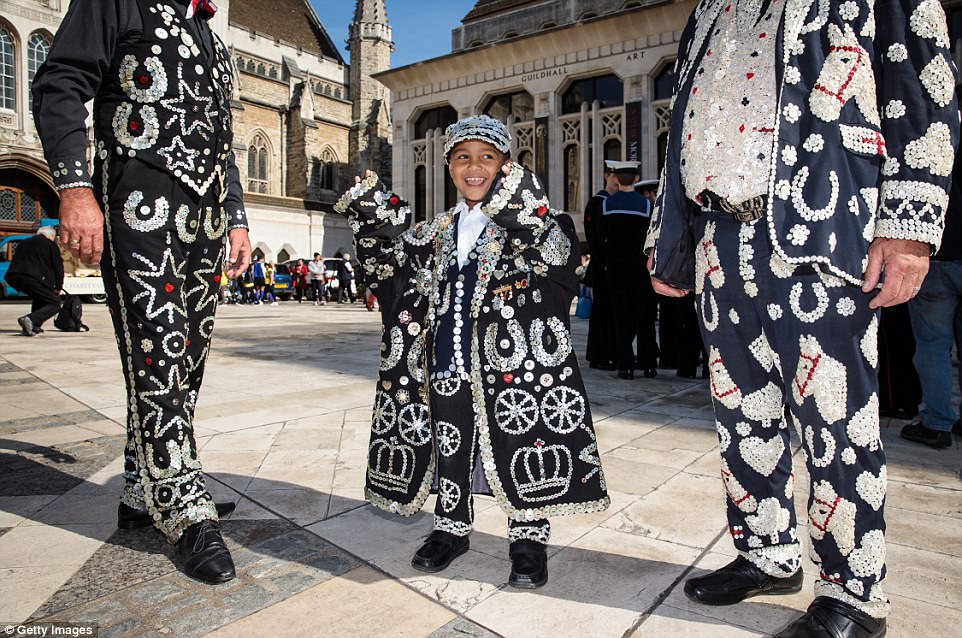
(177, 105)
(178, 155)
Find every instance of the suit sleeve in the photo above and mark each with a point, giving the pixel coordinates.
(918, 104)
(81, 55)
(379, 220)
(542, 238)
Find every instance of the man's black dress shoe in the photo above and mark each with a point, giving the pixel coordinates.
(739, 580)
(130, 518)
(601, 366)
(650, 373)
(529, 564)
(205, 554)
(831, 618)
(439, 550)
(626, 374)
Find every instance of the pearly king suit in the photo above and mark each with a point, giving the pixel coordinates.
(866, 125)
(165, 176)
(477, 361)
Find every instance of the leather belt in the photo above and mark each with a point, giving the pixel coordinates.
(749, 210)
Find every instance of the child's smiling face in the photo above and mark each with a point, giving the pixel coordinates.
(474, 165)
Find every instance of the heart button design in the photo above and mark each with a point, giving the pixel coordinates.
(761, 455)
(134, 126)
(216, 279)
(508, 378)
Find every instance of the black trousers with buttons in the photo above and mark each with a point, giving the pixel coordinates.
(456, 445)
(162, 274)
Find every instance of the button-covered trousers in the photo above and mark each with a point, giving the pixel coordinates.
(789, 340)
(456, 442)
(162, 268)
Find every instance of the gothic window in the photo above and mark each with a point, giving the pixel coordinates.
(526, 159)
(519, 104)
(283, 256)
(258, 167)
(273, 73)
(438, 118)
(607, 89)
(572, 174)
(337, 93)
(328, 170)
(8, 73)
(37, 49)
(17, 205)
(662, 90)
(613, 150)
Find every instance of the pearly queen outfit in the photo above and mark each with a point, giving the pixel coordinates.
(477, 371)
(165, 174)
(777, 179)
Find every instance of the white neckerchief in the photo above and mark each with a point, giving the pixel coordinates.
(471, 223)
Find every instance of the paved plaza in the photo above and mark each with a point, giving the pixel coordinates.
(283, 425)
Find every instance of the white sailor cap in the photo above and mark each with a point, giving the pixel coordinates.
(622, 167)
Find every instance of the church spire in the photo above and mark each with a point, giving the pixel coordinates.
(370, 42)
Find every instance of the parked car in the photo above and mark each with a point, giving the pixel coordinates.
(282, 282)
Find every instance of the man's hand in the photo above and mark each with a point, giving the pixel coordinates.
(81, 224)
(661, 287)
(240, 253)
(905, 263)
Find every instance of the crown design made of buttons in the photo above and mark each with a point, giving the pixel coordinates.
(391, 465)
(542, 472)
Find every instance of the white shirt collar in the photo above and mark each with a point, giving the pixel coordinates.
(471, 223)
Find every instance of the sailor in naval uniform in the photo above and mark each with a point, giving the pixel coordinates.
(810, 149)
(164, 177)
(478, 379)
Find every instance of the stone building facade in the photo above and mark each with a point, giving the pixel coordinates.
(301, 113)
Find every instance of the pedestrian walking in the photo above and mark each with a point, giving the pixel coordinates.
(36, 270)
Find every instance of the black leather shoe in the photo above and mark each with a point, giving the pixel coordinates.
(626, 374)
(130, 518)
(650, 373)
(438, 551)
(601, 366)
(831, 618)
(529, 564)
(738, 580)
(918, 432)
(205, 554)
(902, 413)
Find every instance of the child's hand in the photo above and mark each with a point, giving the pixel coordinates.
(506, 169)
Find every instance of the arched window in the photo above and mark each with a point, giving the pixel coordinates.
(258, 168)
(613, 150)
(572, 173)
(519, 104)
(664, 83)
(526, 159)
(607, 89)
(8, 71)
(440, 118)
(283, 256)
(38, 46)
(328, 169)
(18, 205)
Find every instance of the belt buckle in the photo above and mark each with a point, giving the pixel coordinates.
(747, 211)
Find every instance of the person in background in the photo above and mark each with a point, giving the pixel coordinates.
(269, 294)
(345, 276)
(317, 274)
(937, 325)
(259, 275)
(37, 271)
(299, 274)
(626, 216)
(600, 351)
